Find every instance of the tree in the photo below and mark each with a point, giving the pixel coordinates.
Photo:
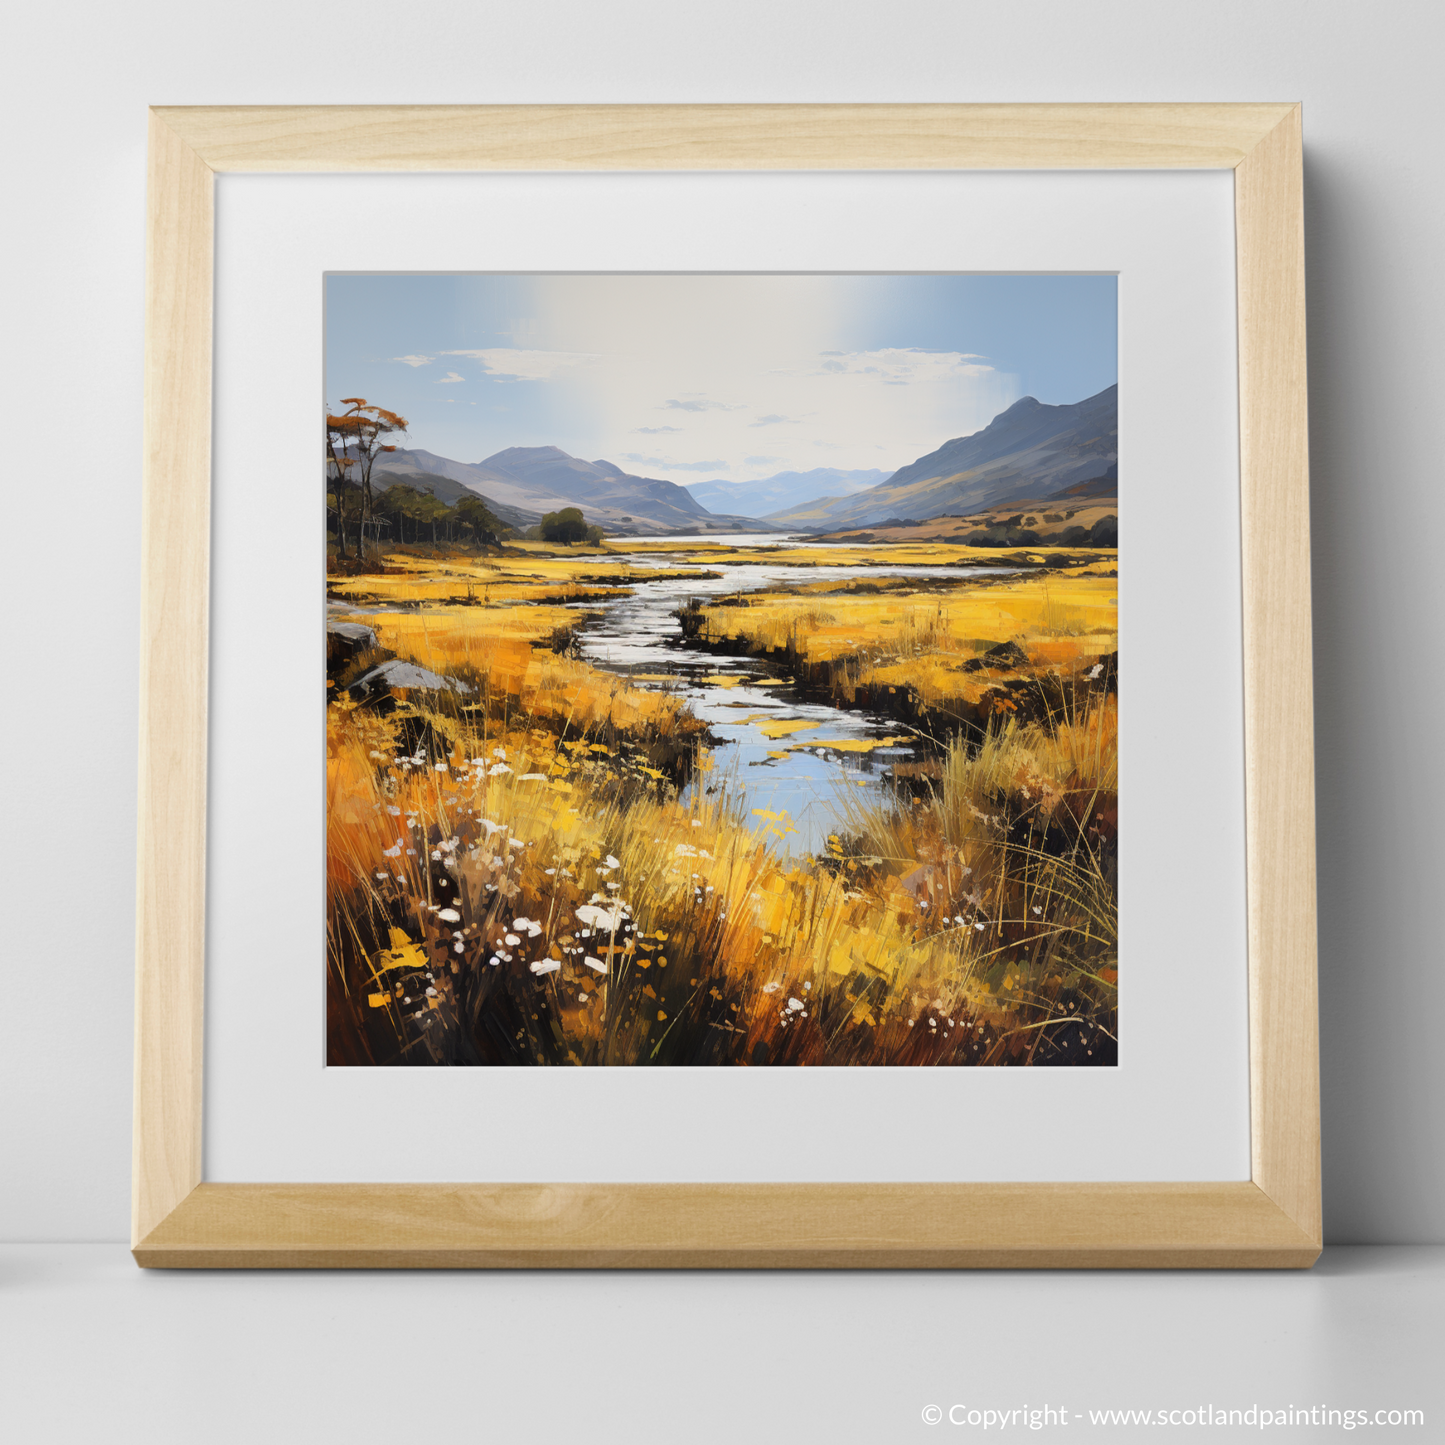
(343, 492)
(354, 438)
(432, 509)
(402, 504)
(473, 512)
(567, 526)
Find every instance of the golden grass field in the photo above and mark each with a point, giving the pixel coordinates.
(514, 877)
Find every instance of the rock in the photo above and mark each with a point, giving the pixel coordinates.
(346, 641)
(399, 674)
(1004, 655)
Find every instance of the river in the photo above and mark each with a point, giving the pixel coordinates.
(794, 795)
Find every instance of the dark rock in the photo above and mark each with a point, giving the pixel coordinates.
(1003, 655)
(345, 642)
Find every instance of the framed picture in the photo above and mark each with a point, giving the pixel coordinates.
(729, 861)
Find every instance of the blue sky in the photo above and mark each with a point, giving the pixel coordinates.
(692, 378)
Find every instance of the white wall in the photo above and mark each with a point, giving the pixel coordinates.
(78, 79)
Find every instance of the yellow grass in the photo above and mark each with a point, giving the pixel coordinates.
(1062, 614)
(411, 581)
(969, 924)
(718, 939)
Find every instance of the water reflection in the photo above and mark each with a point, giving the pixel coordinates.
(792, 779)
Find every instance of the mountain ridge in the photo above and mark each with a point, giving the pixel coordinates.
(520, 484)
(1029, 448)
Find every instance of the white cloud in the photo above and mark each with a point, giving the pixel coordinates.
(447, 380)
(512, 363)
(668, 465)
(702, 404)
(415, 360)
(904, 364)
(739, 354)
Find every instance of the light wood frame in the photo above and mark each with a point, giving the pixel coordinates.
(1272, 1220)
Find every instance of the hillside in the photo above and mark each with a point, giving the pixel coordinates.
(1088, 520)
(521, 483)
(1029, 450)
(447, 481)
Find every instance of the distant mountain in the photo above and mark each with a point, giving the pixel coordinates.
(785, 489)
(447, 481)
(1029, 451)
(521, 483)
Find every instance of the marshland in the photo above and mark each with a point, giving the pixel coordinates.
(754, 800)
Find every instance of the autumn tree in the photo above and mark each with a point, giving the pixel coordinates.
(358, 436)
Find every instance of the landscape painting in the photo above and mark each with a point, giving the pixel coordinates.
(721, 670)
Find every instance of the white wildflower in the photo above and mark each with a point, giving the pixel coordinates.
(545, 965)
(604, 920)
(449, 915)
(594, 963)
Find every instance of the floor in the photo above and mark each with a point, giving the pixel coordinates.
(94, 1349)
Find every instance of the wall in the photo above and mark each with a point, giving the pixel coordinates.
(78, 82)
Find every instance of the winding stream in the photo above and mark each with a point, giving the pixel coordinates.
(795, 785)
